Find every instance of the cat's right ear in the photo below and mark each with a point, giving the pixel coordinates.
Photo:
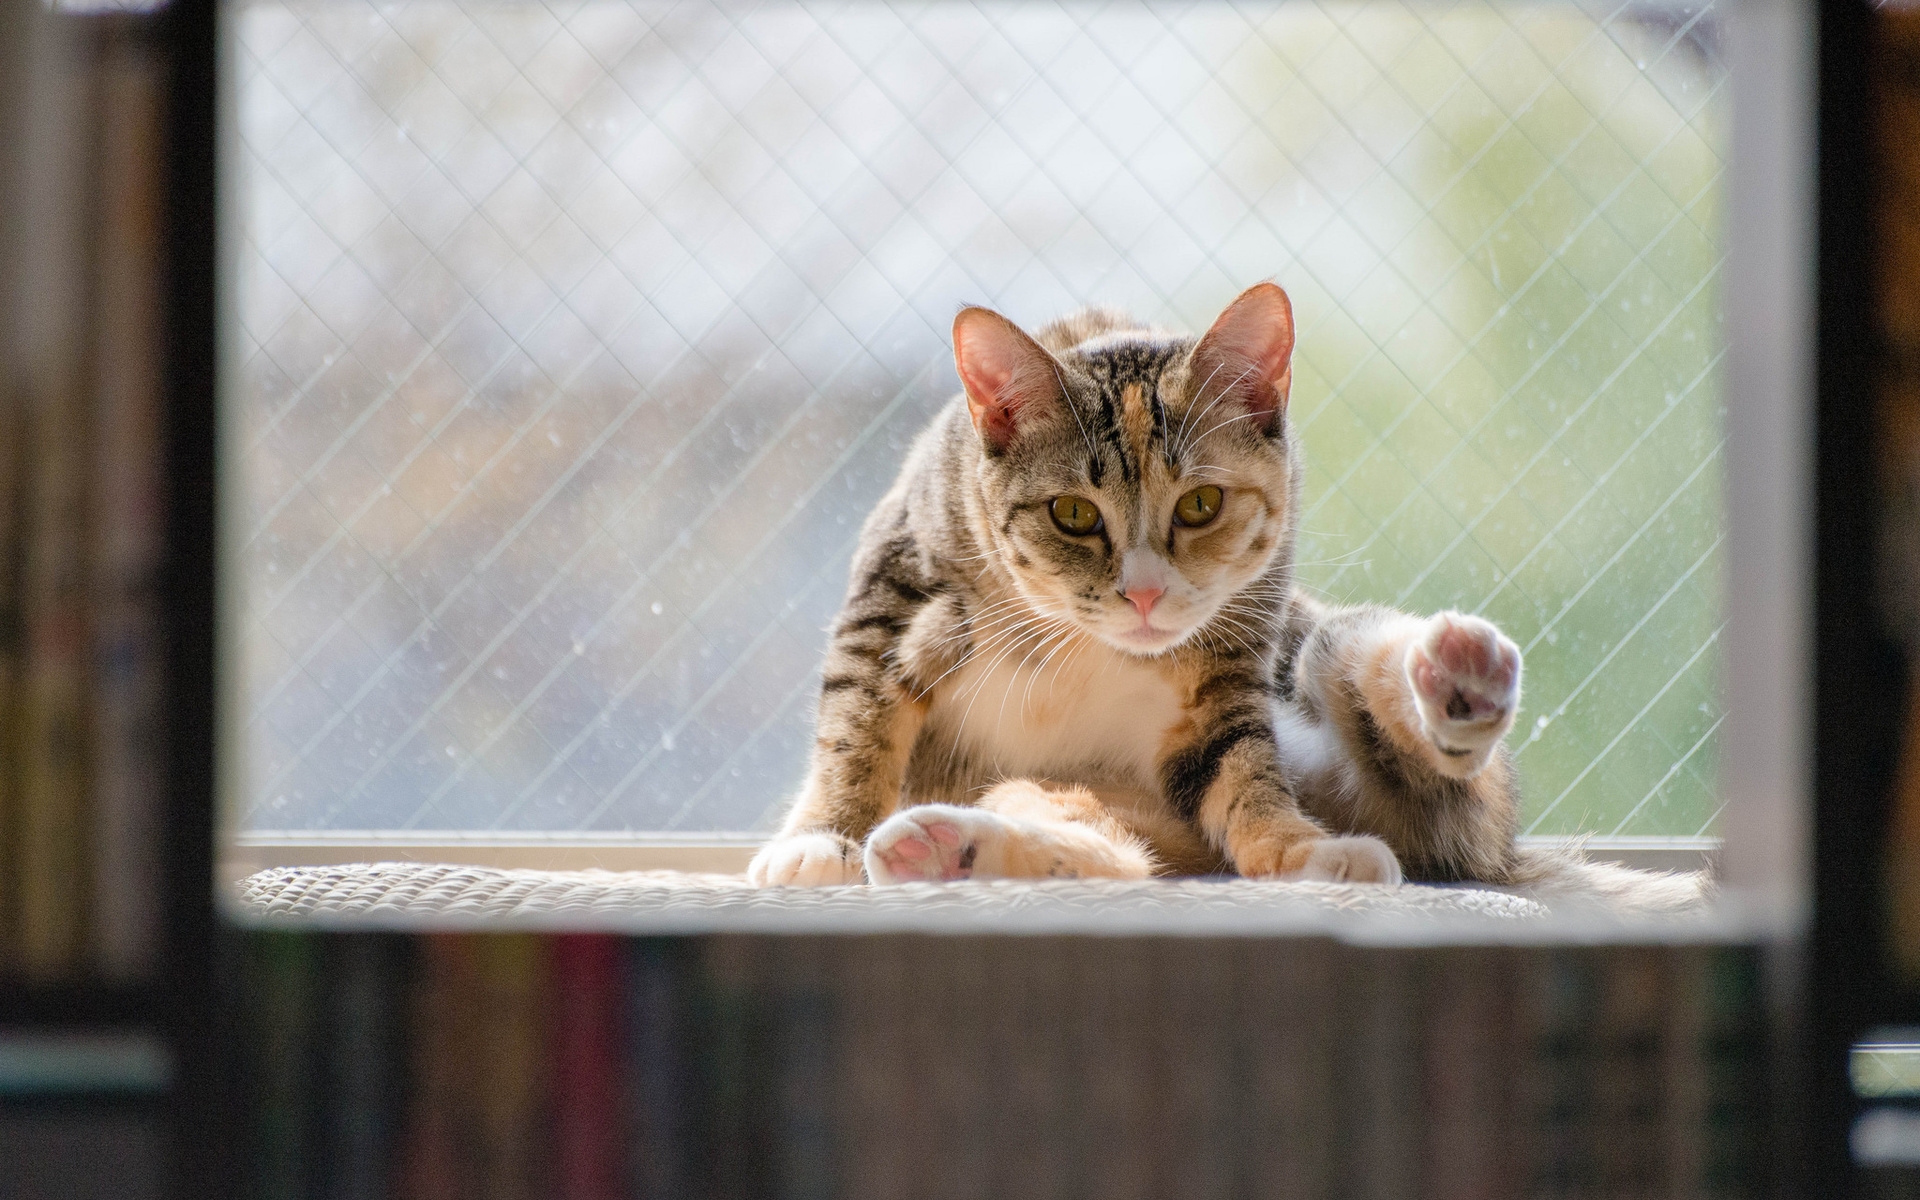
(1007, 375)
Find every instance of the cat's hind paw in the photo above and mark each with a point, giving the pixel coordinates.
(1465, 677)
(806, 860)
(931, 842)
(1357, 859)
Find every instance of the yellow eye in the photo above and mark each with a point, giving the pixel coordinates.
(1075, 515)
(1198, 506)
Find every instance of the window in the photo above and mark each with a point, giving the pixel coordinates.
(576, 341)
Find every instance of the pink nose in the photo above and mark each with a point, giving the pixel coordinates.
(1143, 599)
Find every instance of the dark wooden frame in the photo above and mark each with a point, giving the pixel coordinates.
(207, 1125)
(1860, 675)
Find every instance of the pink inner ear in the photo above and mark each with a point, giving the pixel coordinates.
(1002, 369)
(984, 369)
(1249, 351)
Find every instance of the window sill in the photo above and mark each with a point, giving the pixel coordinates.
(723, 853)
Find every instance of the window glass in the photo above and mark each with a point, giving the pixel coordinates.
(578, 339)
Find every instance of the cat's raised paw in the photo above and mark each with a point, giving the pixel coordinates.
(931, 842)
(1465, 676)
(806, 860)
(1344, 860)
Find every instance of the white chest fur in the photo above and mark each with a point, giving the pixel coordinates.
(1074, 711)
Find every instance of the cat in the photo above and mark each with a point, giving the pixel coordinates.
(1072, 644)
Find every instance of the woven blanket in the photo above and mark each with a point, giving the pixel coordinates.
(413, 895)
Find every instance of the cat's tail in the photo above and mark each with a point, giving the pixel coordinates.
(1563, 875)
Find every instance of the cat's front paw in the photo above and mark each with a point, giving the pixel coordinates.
(932, 842)
(1356, 859)
(1465, 677)
(806, 860)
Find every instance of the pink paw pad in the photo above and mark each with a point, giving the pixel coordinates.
(933, 852)
(1466, 669)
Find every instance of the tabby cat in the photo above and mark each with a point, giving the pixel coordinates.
(1073, 645)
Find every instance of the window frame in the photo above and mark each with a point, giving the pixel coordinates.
(1765, 749)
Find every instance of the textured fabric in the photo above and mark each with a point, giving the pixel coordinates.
(413, 894)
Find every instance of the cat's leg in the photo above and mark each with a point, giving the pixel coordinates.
(853, 782)
(1444, 689)
(868, 719)
(1416, 709)
(1020, 830)
(1221, 770)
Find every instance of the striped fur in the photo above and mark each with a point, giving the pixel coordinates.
(995, 700)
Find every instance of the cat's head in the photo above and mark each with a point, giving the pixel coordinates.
(1133, 482)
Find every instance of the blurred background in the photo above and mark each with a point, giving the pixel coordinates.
(576, 340)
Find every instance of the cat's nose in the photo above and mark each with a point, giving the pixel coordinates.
(1142, 598)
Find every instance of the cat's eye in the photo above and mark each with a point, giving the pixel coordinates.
(1198, 506)
(1076, 515)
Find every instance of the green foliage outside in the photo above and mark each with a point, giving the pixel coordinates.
(1519, 412)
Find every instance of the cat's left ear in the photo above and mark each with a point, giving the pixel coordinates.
(1009, 378)
(1248, 356)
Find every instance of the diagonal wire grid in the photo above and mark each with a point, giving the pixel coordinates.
(578, 339)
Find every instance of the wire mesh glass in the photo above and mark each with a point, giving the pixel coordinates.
(578, 338)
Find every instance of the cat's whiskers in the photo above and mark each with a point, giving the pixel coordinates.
(1222, 424)
(1007, 694)
(1066, 640)
(1092, 453)
(1008, 634)
(1011, 628)
(1001, 605)
(1254, 607)
(1338, 560)
(983, 639)
(1258, 627)
(1221, 623)
(1079, 647)
(1199, 391)
(1218, 397)
(986, 646)
(1253, 633)
(1261, 590)
(985, 554)
(985, 674)
(983, 636)
(974, 626)
(1012, 643)
(1026, 697)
